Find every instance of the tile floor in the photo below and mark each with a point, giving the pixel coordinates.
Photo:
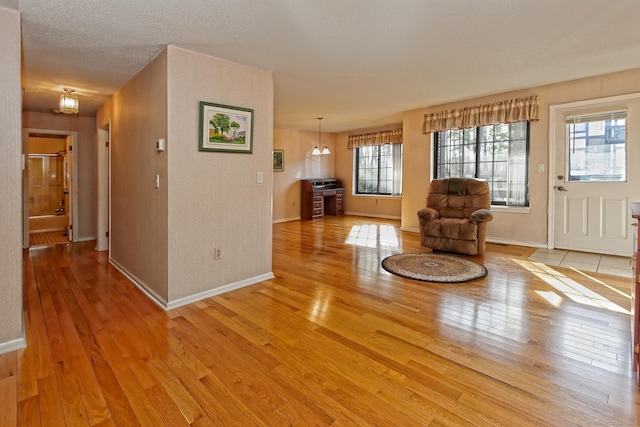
(607, 264)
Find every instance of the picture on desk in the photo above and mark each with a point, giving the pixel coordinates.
(278, 160)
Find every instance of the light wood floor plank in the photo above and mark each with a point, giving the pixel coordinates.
(92, 395)
(8, 397)
(50, 402)
(332, 340)
(186, 403)
(75, 413)
(29, 412)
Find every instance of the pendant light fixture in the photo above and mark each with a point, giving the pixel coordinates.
(68, 102)
(316, 150)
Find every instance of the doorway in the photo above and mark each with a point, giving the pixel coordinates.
(592, 180)
(50, 187)
(104, 186)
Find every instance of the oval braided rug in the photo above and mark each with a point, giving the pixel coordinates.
(434, 267)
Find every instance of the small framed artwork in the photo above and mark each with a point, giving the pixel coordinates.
(278, 160)
(225, 128)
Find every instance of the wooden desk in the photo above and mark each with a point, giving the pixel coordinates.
(635, 292)
(321, 197)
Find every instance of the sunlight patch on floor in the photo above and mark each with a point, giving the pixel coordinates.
(607, 264)
(570, 288)
(373, 236)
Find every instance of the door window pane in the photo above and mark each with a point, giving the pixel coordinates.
(597, 148)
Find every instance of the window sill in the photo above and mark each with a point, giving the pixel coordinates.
(377, 196)
(509, 209)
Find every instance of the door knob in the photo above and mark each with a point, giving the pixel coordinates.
(559, 188)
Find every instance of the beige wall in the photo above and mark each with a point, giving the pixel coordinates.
(38, 145)
(86, 151)
(299, 164)
(215, 200)
(165, 238)
(527, 228)
(11, 322)
(138, 233)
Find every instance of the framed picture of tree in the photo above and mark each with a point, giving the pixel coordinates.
(225, 128)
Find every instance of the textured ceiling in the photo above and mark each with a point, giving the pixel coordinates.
(357, 63)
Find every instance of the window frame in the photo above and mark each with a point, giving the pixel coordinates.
(356, 170)
(478, 130)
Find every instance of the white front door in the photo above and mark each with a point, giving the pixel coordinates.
(595, 175)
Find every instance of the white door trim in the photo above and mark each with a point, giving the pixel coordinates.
(554, 111)
(104, 178)
(73, 220)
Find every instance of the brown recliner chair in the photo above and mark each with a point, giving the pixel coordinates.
(456, 216)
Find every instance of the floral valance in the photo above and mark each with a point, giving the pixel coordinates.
(510, 111)
(375, 138)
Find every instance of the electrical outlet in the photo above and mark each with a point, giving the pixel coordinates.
(217, 253)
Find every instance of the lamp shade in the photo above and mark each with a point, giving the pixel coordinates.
(68, 102)
(317, 150)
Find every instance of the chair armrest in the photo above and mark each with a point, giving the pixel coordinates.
(481, 215)
(428, 214)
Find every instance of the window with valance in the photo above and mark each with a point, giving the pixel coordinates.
(375, 138)
(489, 142)
(509, 111)
(378, 162)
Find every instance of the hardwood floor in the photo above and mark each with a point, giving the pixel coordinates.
(48, 238)
(332, 340)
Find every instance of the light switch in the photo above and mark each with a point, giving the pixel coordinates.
(540, 167)
(161, 144)
(259, 177)
(157, 181)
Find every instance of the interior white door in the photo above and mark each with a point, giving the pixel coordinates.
(593, 183)
(102, 240)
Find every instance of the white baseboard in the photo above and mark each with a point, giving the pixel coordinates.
(166, 306)
(373, 215)
(217, 291)
(86, 239)
(13, 345)
(499, 241)
(346, 213)
(18, 343)
(277, 221)
(160, 302)
(496, 240)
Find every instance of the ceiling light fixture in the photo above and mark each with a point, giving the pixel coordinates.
(316, 150)
(68, 102)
